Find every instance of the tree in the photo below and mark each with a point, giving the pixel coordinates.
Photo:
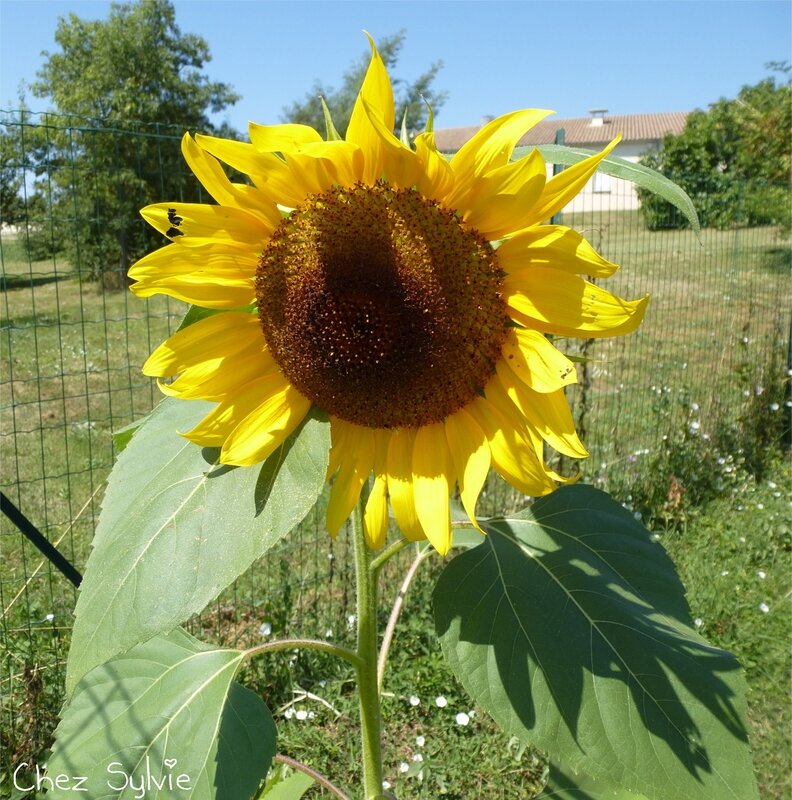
(734, 160)
(12, 208)
(409, 97)
(125, 89)
(136, 65)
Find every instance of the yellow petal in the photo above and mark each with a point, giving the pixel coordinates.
(400, 167)
(356, 463)
(212, 177)
(281, 138)
(212, 276)
(471, 457)
(378, 93)
(500, 201)
(218, 378)
(436, 178)
(560, 189)
(375, 518)
(536, 362)
(338, 163)
(213, 337)
(513, 454)
(338, 432)
(225, 294)
(242, 156)
(217, 426)
(400, 485)
(554, 301)
(433, 475)
(548, 413)
(494, 144)
(553, 246)
(198, 224)
(270, 173)
(266, 427)
(212, 260)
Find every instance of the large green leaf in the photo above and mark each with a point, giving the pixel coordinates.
(562, 786)
(177, 528)
(638, 174)
(570, 627)
(165, 709)
(292, 787)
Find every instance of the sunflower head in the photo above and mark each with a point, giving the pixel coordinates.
(380, 307)
(406, 295)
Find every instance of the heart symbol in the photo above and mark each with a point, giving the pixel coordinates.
(170, 763)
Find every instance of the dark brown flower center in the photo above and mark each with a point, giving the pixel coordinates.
(380, 307)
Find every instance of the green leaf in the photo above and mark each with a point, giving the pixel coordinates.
(331, 133)
(293, 787)
(429, 128)
(177, 527)
(197, 313)
(466, 537)
(464, 534)
(123, 436)
(569, 626)
(405, 134)
(626, 170)
(167, 708)
(562, 786)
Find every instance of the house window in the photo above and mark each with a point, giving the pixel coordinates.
(601, 183)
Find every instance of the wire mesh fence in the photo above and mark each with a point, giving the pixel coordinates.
(72, 341)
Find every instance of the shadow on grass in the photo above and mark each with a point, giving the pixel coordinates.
(9, 283)
(778, 260)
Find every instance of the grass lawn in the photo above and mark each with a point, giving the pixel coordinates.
(69, 374)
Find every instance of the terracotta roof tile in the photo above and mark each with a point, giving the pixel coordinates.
(580, 131)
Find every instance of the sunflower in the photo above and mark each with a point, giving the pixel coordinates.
(406, 295)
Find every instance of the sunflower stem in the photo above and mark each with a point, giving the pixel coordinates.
(368, 690)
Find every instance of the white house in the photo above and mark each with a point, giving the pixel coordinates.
(641, 133)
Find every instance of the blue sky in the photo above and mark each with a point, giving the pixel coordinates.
(629, 57)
